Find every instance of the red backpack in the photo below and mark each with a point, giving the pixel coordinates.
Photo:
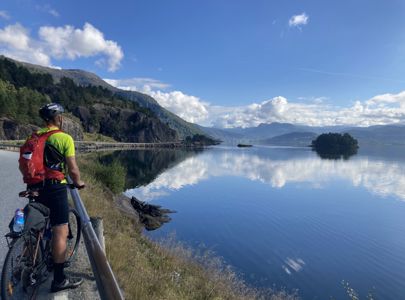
(31, 159)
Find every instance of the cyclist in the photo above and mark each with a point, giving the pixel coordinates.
(59, 155)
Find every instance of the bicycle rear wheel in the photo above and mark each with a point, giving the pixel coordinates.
(21, 275)
(74, 235)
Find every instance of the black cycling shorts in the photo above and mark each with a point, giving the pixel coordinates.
(55, 197)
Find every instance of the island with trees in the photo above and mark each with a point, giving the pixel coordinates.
(199, 140)
(335, 145)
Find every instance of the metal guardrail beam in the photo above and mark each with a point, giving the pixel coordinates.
(91, 146)
(106, 283)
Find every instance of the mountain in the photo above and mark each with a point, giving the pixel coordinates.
(223, 135)
(262, 132)
(265, 131)
(379, 134)
(84, 78)
(285, 134)
(91, 109)
(291, 139)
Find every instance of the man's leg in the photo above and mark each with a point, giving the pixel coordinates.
(58, 204)
(59, 237)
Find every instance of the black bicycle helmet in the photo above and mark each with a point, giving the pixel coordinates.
(50, 111)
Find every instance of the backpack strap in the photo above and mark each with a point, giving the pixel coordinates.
(48, 134)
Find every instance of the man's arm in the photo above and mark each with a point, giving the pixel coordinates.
(74, 171)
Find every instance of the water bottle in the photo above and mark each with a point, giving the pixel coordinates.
(18, 225)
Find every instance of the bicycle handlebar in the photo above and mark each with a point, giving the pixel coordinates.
(34, 193)
(73, 186)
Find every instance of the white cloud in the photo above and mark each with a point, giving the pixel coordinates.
(4, 15)
(48, 9)
(298, 20)
(138, 84)
(59, 43)
(388, 99)
(379, 110)
(189, 108)
(15, 36)
(72, 43)
(15, 42)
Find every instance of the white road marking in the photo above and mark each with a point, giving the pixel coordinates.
(61, 296)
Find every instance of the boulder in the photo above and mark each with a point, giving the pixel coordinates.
(151, 216)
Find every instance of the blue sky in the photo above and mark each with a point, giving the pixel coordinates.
(228, 62)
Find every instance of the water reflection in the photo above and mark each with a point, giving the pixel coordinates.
(295, 265)
(288, 218)
(337, 155)
(276, 167)
(144, 166)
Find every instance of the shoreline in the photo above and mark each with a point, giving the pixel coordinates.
(94, 146)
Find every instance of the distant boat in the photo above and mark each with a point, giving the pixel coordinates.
(244, 145)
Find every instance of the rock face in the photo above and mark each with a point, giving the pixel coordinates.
(74, 128)
(124, 125)
(11, 130)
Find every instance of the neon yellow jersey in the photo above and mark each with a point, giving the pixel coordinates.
(62, 141)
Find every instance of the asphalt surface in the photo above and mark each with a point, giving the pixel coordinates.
(10, 185)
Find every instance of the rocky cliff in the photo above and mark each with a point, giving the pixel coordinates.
(12, 130)
(125, 125)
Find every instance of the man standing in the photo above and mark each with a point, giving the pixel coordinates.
(59, 155)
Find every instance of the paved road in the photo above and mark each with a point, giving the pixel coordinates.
(10, 185)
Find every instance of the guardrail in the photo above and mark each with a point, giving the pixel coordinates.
(83, 146)
(106, 283)
(10, 144)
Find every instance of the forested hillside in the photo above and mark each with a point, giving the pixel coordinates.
(22, 93)
(84, 78)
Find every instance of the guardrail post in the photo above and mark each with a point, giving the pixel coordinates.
(98, 227)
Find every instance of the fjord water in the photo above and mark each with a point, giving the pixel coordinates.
(284, 217)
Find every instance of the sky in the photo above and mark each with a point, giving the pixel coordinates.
(228, 63)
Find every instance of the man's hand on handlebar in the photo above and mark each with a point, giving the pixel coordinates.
(78, 185)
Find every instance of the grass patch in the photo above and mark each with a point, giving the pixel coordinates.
(149, 270)
(112, 175)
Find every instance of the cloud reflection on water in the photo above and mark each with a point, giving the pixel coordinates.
(293, 264)
(378, 176)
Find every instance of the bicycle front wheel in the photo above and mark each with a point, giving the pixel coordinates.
(74, 235)
(18, 279)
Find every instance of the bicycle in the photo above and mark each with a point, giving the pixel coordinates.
(29, 258)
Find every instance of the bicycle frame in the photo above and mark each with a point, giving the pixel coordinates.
(32, 257)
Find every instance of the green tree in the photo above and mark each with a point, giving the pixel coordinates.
(335, 145)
